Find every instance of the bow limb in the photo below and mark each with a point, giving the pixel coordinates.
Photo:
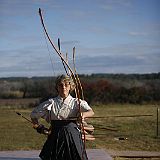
(79, 82)
(79, 85)
(59, 47)
(70, 69)
(53, 45)
(56, 49)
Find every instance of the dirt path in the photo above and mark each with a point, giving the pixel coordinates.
(93, 154)
(134, 154)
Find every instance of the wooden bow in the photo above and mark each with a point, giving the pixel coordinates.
(69, 68)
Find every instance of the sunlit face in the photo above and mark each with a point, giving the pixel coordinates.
(64, 88)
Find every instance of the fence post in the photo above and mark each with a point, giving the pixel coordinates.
(157, 122)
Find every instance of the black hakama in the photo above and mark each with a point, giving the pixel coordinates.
(64, 142)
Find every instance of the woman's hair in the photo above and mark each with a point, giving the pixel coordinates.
(64, 78)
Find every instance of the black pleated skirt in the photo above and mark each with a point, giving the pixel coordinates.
(64, 142)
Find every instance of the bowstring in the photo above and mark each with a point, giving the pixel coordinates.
(49, 53)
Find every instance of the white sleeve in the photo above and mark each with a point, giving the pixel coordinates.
(41, 111)
(84, 105)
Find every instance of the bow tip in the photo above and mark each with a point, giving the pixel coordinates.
(39, 10)
(18, 113)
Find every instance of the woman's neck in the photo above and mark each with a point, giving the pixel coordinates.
(63, 96)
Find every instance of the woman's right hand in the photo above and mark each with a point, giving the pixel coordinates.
(42, 129)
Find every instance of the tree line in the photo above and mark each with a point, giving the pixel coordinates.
(97, 88)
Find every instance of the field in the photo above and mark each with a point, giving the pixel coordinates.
(139, 133)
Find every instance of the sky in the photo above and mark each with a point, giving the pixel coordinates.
(110, 36)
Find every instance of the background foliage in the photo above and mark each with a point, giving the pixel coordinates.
(98, 88)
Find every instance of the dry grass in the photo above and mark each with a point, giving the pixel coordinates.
(139, 131)
(17, 134)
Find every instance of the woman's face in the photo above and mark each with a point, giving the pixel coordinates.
(63, 89)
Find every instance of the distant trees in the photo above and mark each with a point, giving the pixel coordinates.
(98, 91)
(40, 87)
(121, 88)
(100, 88)
(9, 89)
(103, 91)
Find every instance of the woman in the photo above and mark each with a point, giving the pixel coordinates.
(65, 141)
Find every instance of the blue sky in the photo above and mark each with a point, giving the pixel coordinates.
(110, 36)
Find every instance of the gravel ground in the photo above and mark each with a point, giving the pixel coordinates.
(93, 154)
(134, 154)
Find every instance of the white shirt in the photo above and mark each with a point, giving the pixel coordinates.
(59, 109)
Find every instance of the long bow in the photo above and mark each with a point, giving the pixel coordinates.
(69, 68)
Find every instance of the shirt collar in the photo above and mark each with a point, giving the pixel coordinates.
(66, 100)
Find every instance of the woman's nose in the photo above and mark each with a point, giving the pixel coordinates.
(63, 86)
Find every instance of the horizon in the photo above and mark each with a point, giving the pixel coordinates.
(97, 74)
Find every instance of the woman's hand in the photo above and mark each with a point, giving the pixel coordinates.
(42, 129)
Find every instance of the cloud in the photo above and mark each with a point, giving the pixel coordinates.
(39, 65)
(132, 49)
(119, 64)
(72, 43)
(109, 5)
(138, 33)
(147, 31)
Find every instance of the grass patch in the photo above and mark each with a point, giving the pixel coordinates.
(139, 131)
(17, 134)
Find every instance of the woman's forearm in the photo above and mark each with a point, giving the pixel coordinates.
(87, 114)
